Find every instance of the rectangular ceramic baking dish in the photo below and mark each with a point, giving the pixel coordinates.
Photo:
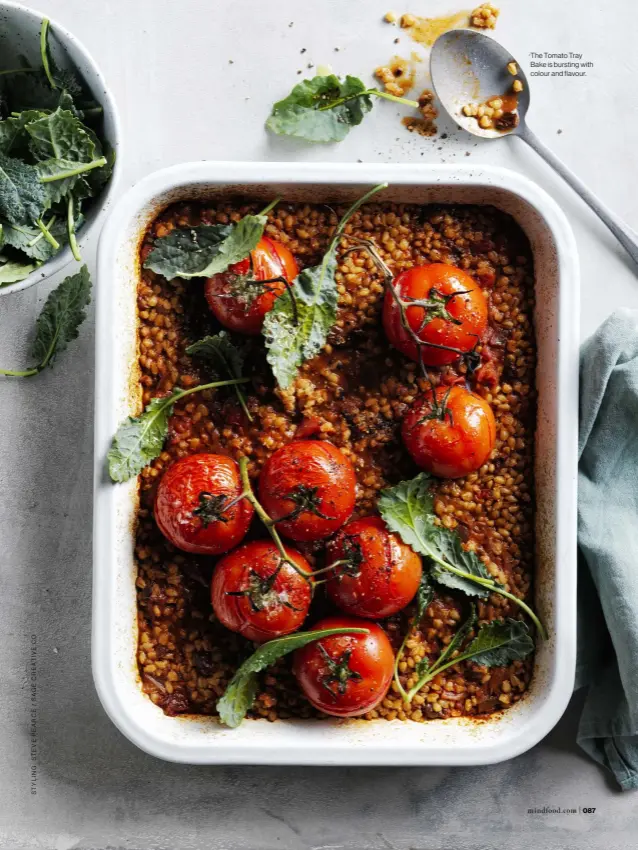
(114, 639)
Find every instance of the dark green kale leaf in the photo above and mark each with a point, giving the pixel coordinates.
(30, 240)
(408, 510)
(207, 249)
(323, 109)
(297, 327)
(59, 322)
(223, 358)
(242, 688)
(61, 317)
(499, 643)
(23, 198)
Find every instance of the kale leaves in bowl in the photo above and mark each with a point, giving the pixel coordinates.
(53, 161)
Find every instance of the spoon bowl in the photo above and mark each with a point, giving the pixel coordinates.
(468, 67)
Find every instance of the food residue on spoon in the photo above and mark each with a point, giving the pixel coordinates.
(496, 113)
(499, 112)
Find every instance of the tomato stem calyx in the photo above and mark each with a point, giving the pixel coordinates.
(439, 410)
(261, 591)
(212, 508)
(351, 561)
(339, 672)
(246, 288)
(305, 500)
(434, 307)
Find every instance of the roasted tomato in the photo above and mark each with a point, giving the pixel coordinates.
(379, 574)
(345, 675)
(308, 489)
(190, 505)
(452, 313)
(449, 432)
(257, 594)
(241, 296)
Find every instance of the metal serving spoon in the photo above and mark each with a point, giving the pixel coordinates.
(468, 67)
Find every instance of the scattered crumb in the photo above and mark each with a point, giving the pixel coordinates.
(517, 86)
(310, 65)
(300, 72)
(407, 21)
(424, 125)
(397, 76)
(558, 132)
(337, 49)
(231, 61)
(55, 650)
(484, 16)
(426, 104)
(467, 153)
(511, 67)
(397, 40)
(390, 18)
(419, 125)
(303, 50)
(291, 24)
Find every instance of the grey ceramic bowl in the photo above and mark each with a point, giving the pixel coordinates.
(20, 36)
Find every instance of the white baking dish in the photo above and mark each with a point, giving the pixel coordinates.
(445, 742)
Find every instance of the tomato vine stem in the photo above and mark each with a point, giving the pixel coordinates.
(249, 495)
(332, 566)
(425, 304)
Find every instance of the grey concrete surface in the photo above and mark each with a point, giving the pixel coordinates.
(181, 99)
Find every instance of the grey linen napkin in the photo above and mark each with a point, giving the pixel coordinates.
(608, 546)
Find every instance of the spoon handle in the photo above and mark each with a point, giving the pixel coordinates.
(625, 235)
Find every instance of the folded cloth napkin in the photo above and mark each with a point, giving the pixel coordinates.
(608, 546)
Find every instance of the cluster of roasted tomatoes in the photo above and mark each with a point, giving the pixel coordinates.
(262, 589)
(434, 314)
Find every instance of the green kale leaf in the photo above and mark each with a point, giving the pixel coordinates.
(140, 439)
(59, 322)
(61, 317)
(22, 197)
(408, 510)
(13, 271)
(205, 250)
(242, 688)
(223, 358)
(297, 327)
(323, 109)
(296, 332)
(499, 643)
(30, 240)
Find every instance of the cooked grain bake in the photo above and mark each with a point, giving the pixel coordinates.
(354, 395)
